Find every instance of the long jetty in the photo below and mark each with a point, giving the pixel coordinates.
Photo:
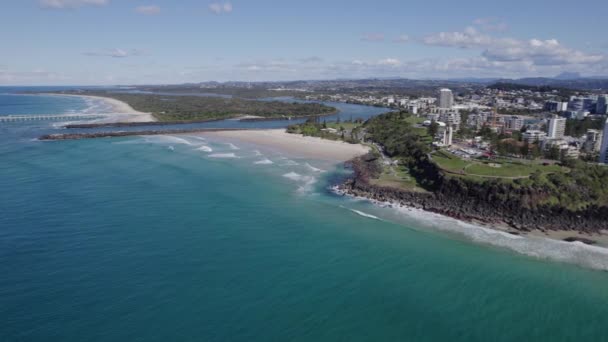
(97, 135)
(40, 117)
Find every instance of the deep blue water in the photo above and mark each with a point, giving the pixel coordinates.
(169, 238)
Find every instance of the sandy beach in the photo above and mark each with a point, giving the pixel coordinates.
(122, 111)
(296, 144)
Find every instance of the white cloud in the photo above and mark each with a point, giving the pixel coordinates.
(115, 53)
(148, 10)
(469, 38)
(68, 4)
(509, 50)
(373, 37)
(219, 8)
(404, 38)
(389, 62)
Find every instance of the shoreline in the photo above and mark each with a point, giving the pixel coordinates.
(537, 224)
(295, 144)
(123, 112)
(536, 244)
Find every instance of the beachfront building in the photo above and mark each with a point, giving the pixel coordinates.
(604, 145)
(446, 98)
(557, 127)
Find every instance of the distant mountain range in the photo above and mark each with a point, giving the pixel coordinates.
(566, 80)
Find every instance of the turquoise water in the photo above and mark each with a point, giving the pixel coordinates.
(185, 239)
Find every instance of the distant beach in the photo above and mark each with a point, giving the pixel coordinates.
(124, 112)
(296, 145)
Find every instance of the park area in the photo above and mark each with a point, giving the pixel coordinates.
(501, 169)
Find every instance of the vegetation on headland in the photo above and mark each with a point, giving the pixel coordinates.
(528, 194)
(349, 130)
(198, 108)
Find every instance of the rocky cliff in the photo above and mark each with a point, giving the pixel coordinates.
(488, 202)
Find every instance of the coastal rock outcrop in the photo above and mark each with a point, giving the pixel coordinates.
(490, 203)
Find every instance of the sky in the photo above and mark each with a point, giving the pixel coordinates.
(109, 42)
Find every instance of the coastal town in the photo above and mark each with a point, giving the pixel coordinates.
(510, 123)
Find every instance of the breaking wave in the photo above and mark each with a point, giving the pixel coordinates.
(205, 149)
(264, 162)
(289, 162)
(312, 168)
(360, 213)
(307, 181)
(223, 155)
(576, 253)
(166, 139)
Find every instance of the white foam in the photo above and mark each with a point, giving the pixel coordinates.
(196, 137)
(313, 169)
(223, 155)
(576, 253)
(233, 146)
(264, 162)
(360, 213)
(308, 181)
(205, 149)
(167, 139)
(171, 148)
(289, 162)
(257, 153)
(293, 176)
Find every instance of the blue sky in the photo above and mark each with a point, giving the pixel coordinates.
(173, 41)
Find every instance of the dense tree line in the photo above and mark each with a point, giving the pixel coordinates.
(192, 108)
(577, 128)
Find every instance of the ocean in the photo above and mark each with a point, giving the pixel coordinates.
(183, 238)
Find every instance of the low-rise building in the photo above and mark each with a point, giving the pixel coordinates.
(532, 136)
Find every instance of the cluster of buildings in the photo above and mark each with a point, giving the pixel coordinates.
(579, 107)
(547, 132)
(544, 123)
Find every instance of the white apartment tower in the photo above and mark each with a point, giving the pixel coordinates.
(602, 104)
(448, 135)
(604, 146)
(557, 127)
(446, 98)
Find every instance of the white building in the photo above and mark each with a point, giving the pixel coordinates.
(446, 98)
(593, 140)
(514, 123)
(531, 136)
(412, 108)
(452, 119)
(604, 146)
(557, 127)
(447, 136)
(602, 104)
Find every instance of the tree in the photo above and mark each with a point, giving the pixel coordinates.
(525, 149)
(553, 153)
(433, 128)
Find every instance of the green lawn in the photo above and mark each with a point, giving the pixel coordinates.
(450, 162)
(472, 168)
(397, 177)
